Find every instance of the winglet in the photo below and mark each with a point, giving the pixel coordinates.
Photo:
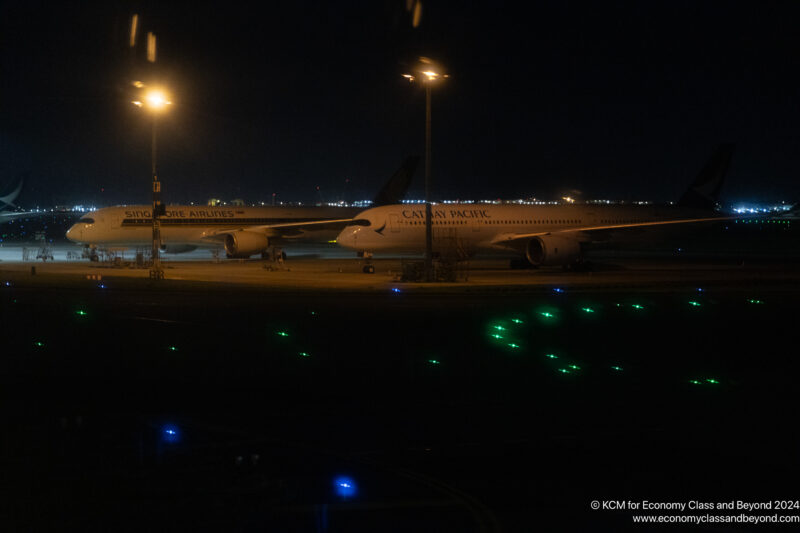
(398, 184)
(704, 191)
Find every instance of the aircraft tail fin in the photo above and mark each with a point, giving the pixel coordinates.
(704, 190)
(398, 184)
(8, 200)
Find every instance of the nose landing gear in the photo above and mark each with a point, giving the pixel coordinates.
(368, 267)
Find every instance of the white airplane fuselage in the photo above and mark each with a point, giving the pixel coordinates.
(132, 226)
(467, 229)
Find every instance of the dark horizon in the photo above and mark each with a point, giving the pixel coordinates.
(624, 102)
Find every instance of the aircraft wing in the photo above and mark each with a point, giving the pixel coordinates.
(286, 229)
(511, 239)
(11, 215)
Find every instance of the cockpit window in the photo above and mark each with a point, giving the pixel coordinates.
(87, 220)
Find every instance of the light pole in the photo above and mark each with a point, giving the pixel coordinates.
(429, 77)
(156, 102)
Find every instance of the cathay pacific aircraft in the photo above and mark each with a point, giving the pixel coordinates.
(242, 231)
(539, 235)
(8, 201)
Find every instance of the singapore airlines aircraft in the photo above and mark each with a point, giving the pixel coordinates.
(540, 235)
(242, 231)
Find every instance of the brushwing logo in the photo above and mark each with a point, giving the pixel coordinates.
(380, 230)
(8, 200)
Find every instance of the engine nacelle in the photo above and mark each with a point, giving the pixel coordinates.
(243, 244)
(178, 248)
(549, 250)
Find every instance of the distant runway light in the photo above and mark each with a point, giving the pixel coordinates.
(170, 434)
(344, 486)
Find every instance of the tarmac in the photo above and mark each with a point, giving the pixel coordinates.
(322, 269)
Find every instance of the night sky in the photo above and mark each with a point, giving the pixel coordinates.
(599, 99)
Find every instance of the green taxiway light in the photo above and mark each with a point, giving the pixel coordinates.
(501, 328)
(551, 356)
(39, 344)
(434, 362)
(512, 345)
(695, 382)
(283, 334)
(546, 314)
(753, 301)
(564, 371)
(81, 312)
(517, 321)
(173, 348)
(617, 368)
(496, 336)
(588, 309)
(714, 381)
(574, 367)
(304, 354)
(694, 304)
(637, 306)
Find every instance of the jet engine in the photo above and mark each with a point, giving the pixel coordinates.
(178, 248)
(549, 250)
(243, 244)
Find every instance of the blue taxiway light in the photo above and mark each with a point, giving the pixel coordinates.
(170, 434)
(344, 486)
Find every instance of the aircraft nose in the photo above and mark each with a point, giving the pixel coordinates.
(73, 233)
(348, 236)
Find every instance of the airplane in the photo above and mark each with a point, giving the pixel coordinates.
(538, 235)
(241, 231)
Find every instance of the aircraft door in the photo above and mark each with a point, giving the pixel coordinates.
(394, 222)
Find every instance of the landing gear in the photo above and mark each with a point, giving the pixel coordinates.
(368, 267)
(274, 254)
(90, 253)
